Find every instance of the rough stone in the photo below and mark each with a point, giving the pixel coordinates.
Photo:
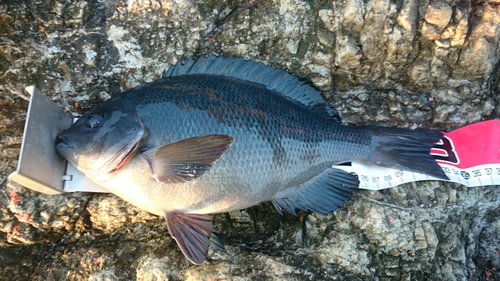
(414, 64)
(438, 14)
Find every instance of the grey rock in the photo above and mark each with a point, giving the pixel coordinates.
(431, 64)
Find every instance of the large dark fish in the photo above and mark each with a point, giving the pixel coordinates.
(223, 134)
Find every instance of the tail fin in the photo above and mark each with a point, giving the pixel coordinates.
(406, 149)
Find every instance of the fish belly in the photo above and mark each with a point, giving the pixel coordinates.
(251, 172)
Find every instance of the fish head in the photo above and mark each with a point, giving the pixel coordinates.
(102, 141)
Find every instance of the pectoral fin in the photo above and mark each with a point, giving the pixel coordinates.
(192, 233)
(187, 159)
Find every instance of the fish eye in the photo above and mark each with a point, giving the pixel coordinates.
(94, 120)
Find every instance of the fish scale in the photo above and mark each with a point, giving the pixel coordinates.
(223, 134)
(270, 122)
(308, 131)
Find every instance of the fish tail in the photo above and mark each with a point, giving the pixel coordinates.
(405, 149)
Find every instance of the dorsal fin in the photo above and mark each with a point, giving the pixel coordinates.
(278, 80)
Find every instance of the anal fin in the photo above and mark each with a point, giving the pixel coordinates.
(322, 194)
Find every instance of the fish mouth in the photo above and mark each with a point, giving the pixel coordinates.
(65, 150)
(120, 159)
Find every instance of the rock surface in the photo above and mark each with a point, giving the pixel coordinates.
(431, 64)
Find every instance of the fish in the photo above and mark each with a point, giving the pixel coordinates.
(218, 134)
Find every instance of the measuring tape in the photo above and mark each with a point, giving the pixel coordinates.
(469, 156)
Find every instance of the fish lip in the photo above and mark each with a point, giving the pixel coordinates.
(62, 140)
(61, 143)
(65, 150)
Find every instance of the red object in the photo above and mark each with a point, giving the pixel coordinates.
(14, 197)
(470, 146)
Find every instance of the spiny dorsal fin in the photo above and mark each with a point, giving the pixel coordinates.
(278, 80)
